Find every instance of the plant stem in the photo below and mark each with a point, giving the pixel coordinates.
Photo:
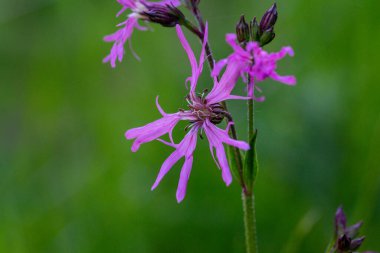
(250, 222)
(251, 123)
(248, 197)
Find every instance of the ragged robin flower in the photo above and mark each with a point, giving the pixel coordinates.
(163, 12)
(255, 62)
(203, 114)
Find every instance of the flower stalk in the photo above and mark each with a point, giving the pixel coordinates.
(250, 222)
(247, 191)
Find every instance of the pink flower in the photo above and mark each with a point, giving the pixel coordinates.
(255, 62)
(205, 111)
(120, 37)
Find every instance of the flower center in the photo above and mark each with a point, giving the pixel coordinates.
(202, 111)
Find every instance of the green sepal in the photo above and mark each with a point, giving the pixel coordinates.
(233, 164)
(251, 166)
(267, 37)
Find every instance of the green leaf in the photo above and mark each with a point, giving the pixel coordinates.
(233, 163)
(251, 166)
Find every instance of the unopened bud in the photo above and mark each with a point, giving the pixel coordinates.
(267, 37)
(269, 19)
(165, 15)
(254, 27)
(242, 30)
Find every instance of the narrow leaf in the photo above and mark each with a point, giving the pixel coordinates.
(251, 166)
(231, 155)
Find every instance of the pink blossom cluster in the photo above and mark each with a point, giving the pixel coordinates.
(205, 111)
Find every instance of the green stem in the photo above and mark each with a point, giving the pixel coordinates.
(250, 222)
(248, 197)
(251, 123)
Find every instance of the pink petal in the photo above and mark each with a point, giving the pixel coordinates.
(184, 149)
(166, 166)
(190, 54)
(184, 178)
(119, 38)
(217, 137)
(290, 80)
(231, 40)
(153, 130)
(218, 67)
(282, 53)
(222, 89)
(163, 113)
(203, 52)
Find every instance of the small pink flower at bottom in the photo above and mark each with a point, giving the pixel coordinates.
(140, 11)
(254, 62)
(204, 113)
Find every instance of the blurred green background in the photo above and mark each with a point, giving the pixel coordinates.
(69, 182)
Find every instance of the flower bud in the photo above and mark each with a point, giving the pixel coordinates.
(254, 29)
(242, 30)
(269, 18)
(267, 37)
(165, 15)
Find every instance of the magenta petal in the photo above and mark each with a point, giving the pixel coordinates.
(203, 52)
(190, 54)
(223, 163)
(163, 113)
(184, 149)
(231, 40)
(166, 166)
(222, 89)
(152, 131)
(184, 178)
(218, 67)
(290, 80)
(119, 38)
(216, 138)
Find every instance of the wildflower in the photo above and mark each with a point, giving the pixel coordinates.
(346, 240)
(255, 62)
(203, 114)
(163, 12)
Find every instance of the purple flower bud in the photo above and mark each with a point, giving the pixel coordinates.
(356, 243)
(340, 222)
(269, 18)
(242, 30)
(165, 15)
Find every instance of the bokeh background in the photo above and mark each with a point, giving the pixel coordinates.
(69, 182)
